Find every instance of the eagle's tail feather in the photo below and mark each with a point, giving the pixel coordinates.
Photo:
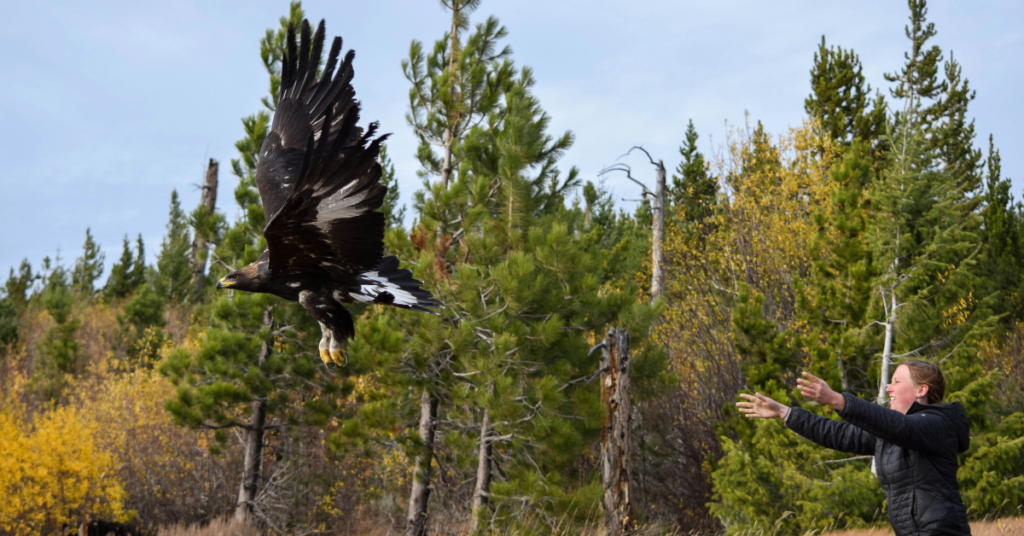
(391, 286)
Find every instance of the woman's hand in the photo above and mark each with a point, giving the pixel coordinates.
(814, 388)
(758, 406)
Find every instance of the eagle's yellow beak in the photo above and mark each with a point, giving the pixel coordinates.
(224, 283)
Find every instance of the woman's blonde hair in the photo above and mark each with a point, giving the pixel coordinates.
(925, 373)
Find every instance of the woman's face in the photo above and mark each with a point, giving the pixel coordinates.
(903, 391)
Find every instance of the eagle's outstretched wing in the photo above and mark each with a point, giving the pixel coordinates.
(317, 175)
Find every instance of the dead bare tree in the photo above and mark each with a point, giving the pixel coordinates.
(200, 244)
(616, 468)
(658, 225)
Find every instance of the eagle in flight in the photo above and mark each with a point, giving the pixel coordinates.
(319, 180)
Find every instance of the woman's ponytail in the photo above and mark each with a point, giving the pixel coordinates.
(925, 373)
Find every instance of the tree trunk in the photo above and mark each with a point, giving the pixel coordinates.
(843, 378)
(416, 521)
(658, 237)
(615, 441)
(254, 439)
(207, 201)
(890, 323)
(449, 134)
(483, 474)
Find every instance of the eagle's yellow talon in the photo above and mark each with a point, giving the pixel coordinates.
(339, 358)
(325, 356)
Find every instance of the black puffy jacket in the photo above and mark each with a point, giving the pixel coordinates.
(915, 457)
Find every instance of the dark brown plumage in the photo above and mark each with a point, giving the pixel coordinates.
(319, 180)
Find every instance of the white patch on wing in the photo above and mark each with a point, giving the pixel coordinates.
(294, 284)
(367, 293)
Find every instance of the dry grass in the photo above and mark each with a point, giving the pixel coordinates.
(1001, 527)
(217, 527)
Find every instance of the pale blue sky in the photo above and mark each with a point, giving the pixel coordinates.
(107, 106)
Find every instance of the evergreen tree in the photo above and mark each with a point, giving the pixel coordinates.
(120, 283)
(88, 267)
(140, 332)
(8, 321)
(241, 370)
(454, 88)
(19, 285)
(173, 272)
(693, 191)
(497, 378)
(60, 354)
(769, 478)
(1001, 236)
(917, 81)
(835, 296)
(953, 137)
(928, 236)
(394, 215)
(137, 275)
(840, 98)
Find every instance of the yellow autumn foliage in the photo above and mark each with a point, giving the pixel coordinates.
(52, 472)
(759, 236)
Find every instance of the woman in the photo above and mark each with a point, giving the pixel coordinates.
(915, 443)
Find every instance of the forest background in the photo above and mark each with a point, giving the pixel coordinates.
(874, 230)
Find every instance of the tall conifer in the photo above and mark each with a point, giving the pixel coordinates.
(88, 267)
(252, 366)
(119, 282)
(693, 190)
(840, 98)
(173, 272)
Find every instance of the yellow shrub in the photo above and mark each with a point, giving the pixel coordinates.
(53, 473)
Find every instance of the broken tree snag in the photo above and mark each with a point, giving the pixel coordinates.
(615, 455)
(658, 235)
(207, 204)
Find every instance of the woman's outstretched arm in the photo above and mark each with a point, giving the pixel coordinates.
(922, 431)
(825, 432)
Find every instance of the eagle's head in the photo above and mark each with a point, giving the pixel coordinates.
(245, 278)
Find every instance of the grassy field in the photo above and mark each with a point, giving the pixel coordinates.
(1001, 527)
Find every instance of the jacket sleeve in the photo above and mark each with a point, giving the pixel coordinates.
(921, 431)
(831, 434)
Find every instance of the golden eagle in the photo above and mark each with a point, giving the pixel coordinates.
(319, 180)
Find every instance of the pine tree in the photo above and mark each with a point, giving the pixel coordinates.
(60, 354)
(88, 267)
(928, 237)
(19, 285)
(119, 283)
(455, 87)
(917, 81)
(839, 98)
(499, 375)
(138, 272)
(173, 272)
(1001, 236)
(693, 191)
(835, 297)
(252, 366)
(394, 215)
